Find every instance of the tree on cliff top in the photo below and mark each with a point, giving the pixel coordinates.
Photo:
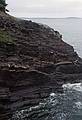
(3, 6)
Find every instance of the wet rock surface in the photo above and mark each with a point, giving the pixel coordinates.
(34, 61)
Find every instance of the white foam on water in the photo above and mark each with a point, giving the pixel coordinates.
(75, 86)
(52, 94)
(79, 105)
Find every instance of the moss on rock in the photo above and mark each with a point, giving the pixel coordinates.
(5, 37)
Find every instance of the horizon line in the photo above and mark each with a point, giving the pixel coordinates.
(53, 17)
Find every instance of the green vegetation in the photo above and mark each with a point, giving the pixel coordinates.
(7, 43)
(3, 6)
(5, 37)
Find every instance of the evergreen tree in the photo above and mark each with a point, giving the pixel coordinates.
(3, 6)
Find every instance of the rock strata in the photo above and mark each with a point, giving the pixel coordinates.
(34, 61)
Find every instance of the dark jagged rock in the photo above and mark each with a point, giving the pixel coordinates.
(34, 61)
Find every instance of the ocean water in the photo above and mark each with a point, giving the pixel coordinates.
(70, 28)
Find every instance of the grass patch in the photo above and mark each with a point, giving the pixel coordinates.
(7, 43)
(5, 37)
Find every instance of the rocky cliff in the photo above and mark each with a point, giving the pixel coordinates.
(34, 61)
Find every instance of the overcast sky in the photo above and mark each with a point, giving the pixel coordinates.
(45, 8)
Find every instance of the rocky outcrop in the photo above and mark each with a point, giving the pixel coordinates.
(34, 61)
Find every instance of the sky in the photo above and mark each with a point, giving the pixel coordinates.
(45, 8)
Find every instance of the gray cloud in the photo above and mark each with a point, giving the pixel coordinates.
(45, 8)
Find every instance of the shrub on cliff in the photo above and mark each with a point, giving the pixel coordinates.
(3, 6)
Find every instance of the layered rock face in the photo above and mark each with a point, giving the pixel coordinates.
(34, 61)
